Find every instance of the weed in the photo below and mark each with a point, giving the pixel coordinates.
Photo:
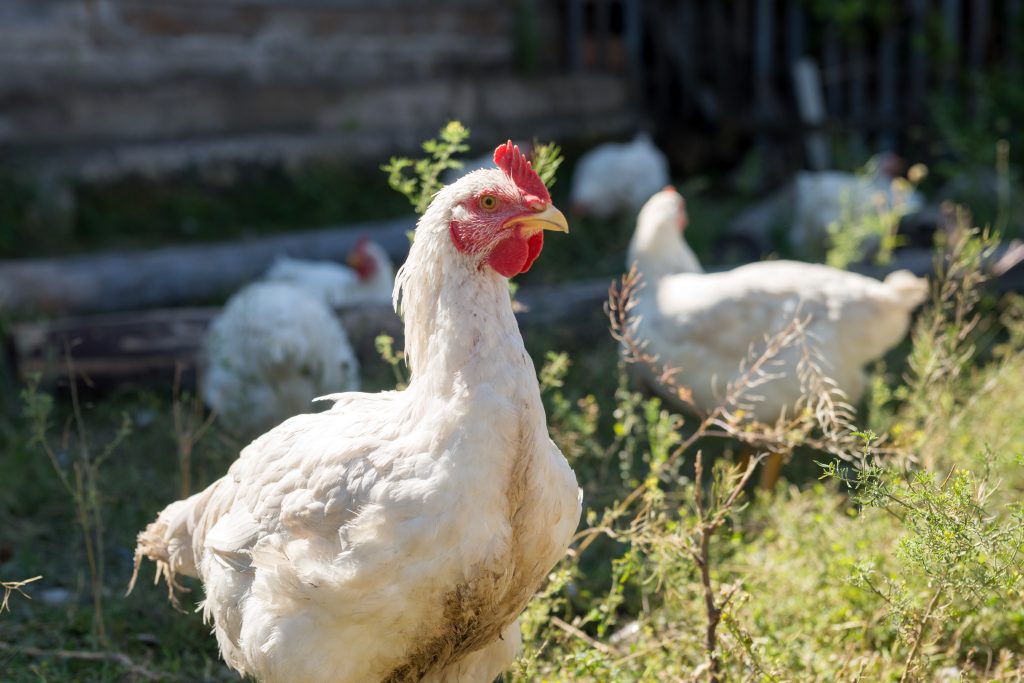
(79, 474)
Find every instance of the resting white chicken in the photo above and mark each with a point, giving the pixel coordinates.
(705, 323)
(278, 344)
(397, 536)
(826, 197)
(368, 278)
(618, 177)
(274, 347)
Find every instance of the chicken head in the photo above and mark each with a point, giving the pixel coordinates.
(502, 220)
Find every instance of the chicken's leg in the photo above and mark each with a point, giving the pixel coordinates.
(770, 471)
(771, 467)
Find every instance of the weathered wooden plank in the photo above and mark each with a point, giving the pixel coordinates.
(603, 31)
(952, 19)
(917, 75)
(764, 59)
(633, 34)
(149, 347)
(811, 104)
(832, 71)
(173, 275)
(888, 80)
(1014, 10)
(858, 85)
(796, 31)
(981, 33)
(574, 34)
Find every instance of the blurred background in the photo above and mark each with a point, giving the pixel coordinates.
(133, 123)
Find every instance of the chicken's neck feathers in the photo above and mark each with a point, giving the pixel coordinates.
(660, 252)
(459, 325)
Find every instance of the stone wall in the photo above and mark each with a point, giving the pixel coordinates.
(103, 87)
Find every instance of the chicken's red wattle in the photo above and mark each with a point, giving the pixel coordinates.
(516, 254)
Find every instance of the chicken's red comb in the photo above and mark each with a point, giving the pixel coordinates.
(517, 167)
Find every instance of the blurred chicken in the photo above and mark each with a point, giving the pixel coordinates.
(618, 177)
(274, 348)
(705, 324)
(397, 536)
(369, 277)
(827, 197)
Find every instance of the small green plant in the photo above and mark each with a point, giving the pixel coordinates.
(861, 230)
(190, 426)
(385, 345)
(422, 184)
(965, 553)
(78, 469)
(425, 181)
(547, 159)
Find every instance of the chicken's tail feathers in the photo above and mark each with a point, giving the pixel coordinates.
(164, 542)
(908, 289)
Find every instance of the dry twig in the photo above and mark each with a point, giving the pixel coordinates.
(10, 587)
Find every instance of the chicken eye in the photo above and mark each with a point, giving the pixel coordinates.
(488, 202)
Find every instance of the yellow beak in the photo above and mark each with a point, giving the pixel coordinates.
(549, 218)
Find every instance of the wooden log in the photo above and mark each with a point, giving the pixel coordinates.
(168, 276)
(147, 348)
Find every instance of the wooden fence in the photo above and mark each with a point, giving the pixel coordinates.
(730, 64)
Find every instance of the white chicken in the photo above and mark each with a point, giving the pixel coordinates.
(705, 324)
(278, 344)
(397, 536)
(618, 177)
(827, 197)
(274, 347)
(368, 278)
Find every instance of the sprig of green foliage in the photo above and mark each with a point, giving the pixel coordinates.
(443, 154)
(547, 158)
(860, 231)
(80, 477)
(425, 181)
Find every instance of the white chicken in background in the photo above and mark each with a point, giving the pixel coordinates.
(827, 197)
(277, 344)
(618, 178)
(397, 536)
(274, 348)
(369, 276)
(705, 324)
